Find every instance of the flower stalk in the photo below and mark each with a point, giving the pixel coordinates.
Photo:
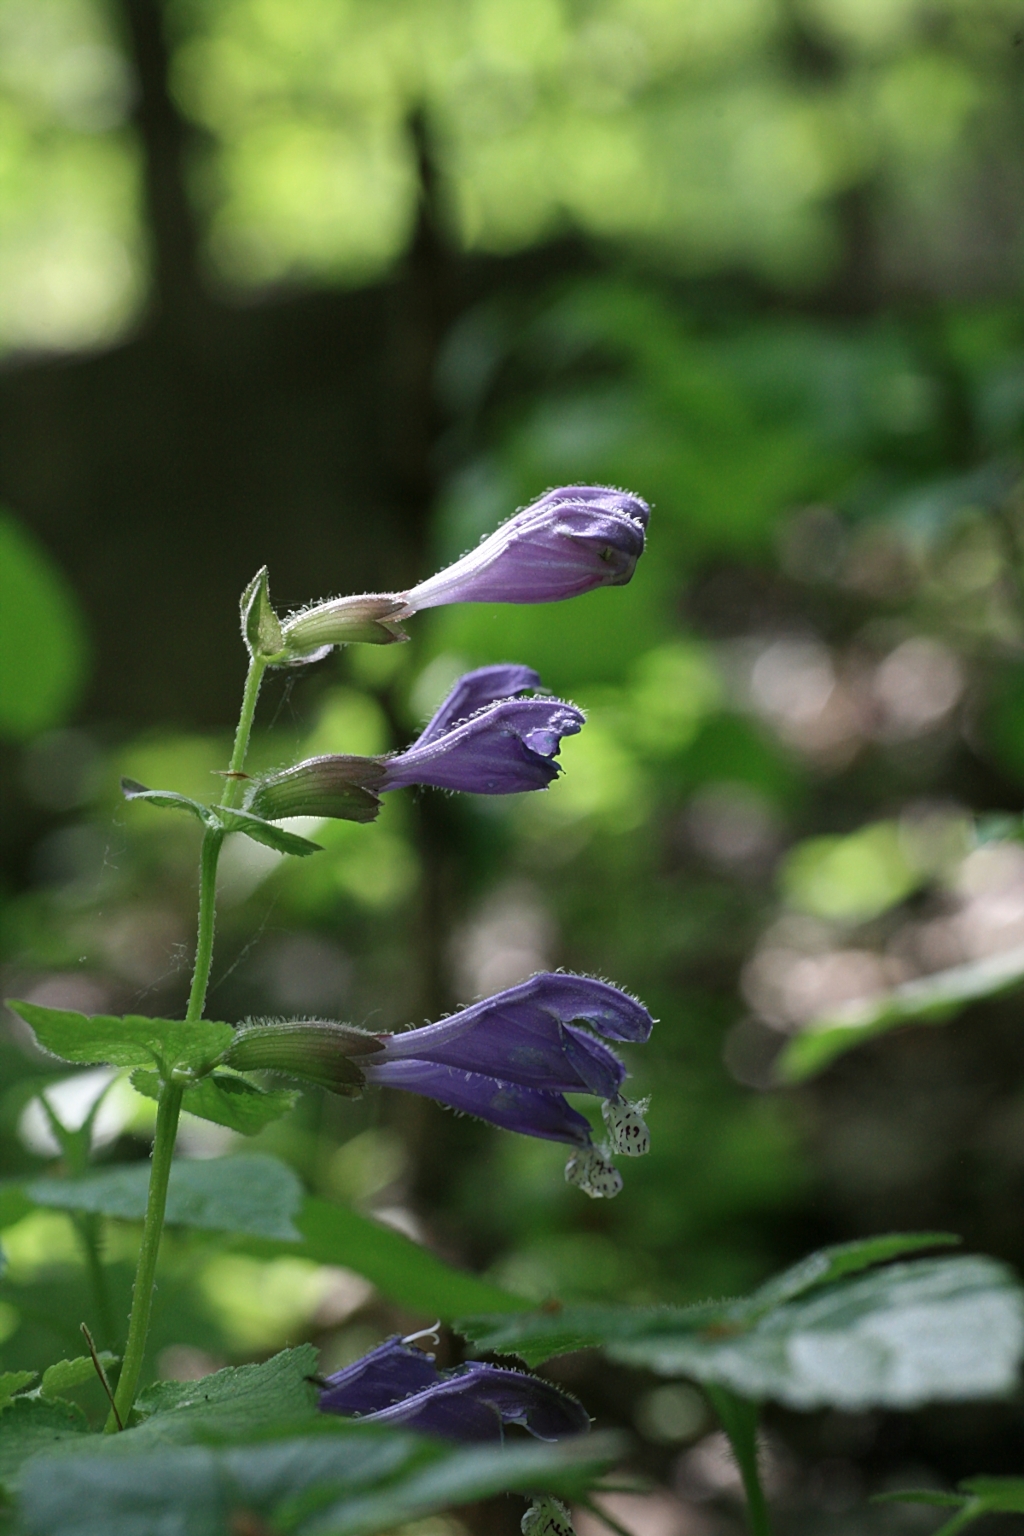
(171, 1091)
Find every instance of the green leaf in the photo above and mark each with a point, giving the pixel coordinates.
(221, 816)
(169, 800)
(261, 628)
(343, 1481)
(72, 1373)
(400, 1269)
(234, 1403)
(225, 1098)
(12, 1382)
(132, 1041)
(931, 999)
(252, 1193)
(932, 1329)
(33, 1424)
(1002, 1495)
(42, 637)
(830, 1264)
(266, 832)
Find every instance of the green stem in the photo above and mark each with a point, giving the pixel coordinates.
(234, 787)
(88, 1227)
(168, 1109)
(169, 1103)
(739, 1420)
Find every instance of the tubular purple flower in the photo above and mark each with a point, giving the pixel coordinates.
(504, 749)
(510, 1059)
(473, 1403)
(568, 542)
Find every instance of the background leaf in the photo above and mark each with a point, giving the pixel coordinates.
(72, 1373)
(42, 639)
(933, 999)
(934, 1329)
(252, 1193)
(402, 1270)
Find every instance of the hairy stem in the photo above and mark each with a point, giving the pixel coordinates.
(234, 786)
(168, 1109)
(171, 1092)
(739, 1420)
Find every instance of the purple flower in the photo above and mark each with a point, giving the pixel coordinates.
(485, 742)
(396, 1384)
(482, 739)
(570, 541)
(511, 1058)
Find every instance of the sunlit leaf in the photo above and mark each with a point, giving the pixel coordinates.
(400, 1269)
(931, 999)
(132, 1041)
(253, 1193)
(904, 1335)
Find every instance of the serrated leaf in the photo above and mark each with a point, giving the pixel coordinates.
(11, 1382)
(226, 1099)
(400, 1269)
(33, 1424)
(931, 999)
(253, 1193)
(234, 1403)
(344, 1481)
(168, 800)
(132, 1041)
(266, 832)
(934, 1329)
(72, 1373)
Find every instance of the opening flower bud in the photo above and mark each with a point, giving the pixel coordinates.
(316, 1050)
(336, 785)
(370, 619)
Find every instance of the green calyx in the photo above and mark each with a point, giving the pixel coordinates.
(371, 618)
(339, 786)
(317, 1051)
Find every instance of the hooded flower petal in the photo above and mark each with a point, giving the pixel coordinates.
(570, 541)
(524, 1035)
(473, 1403)
(389, 1373)
(474, 691)
(530, 1111)
(504, 749)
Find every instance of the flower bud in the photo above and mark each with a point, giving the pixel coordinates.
(316, 1050)
(335, 785)
(261, 628)
(370, 618)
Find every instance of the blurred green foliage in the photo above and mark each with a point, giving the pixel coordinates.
(813, 682)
